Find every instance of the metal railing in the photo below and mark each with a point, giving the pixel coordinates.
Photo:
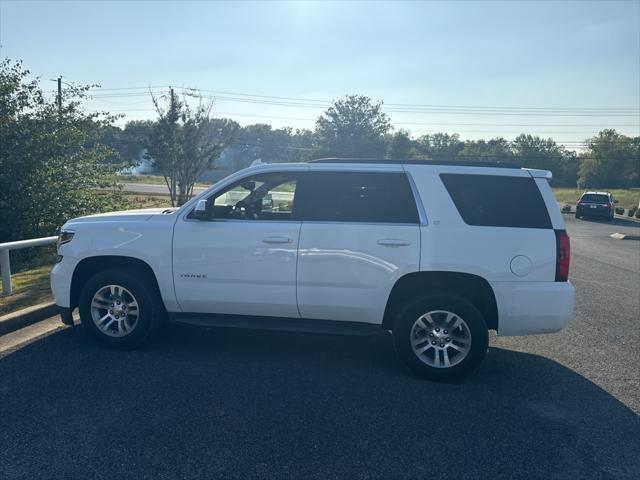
(5, 260)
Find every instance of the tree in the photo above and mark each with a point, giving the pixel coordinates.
(401, 146)
(440, 146)
(51, 167)
(495, 150)
(544, 153)
(352, 127)
(179, 147)
(612, 160)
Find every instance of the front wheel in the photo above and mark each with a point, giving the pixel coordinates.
(441, 336)
(119, 309)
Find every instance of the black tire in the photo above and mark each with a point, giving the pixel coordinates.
(460, 307)
(150, 307)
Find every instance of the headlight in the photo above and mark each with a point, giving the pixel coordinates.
(65, 236)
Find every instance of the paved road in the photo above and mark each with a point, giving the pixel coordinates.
(242, 404)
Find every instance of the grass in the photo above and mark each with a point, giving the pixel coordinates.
(29, 288)
(626, 198)
(149, 179)
(139, 200)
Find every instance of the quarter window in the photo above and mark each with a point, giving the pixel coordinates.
(497, 201)
(374, 197)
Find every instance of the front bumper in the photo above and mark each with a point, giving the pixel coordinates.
(527, 308)
(61, 277)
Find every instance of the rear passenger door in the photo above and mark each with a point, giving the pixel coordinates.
(360, 233)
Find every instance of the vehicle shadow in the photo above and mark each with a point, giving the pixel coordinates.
(210, 403)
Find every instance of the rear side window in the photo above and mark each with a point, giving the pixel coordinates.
(497, 201)
(357, 197)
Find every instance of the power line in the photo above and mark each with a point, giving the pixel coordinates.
(410, 108)
(223, 93)
(599, 125)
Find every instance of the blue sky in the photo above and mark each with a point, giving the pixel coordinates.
(513, 54)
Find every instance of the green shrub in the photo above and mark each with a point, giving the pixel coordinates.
(632, 211)
(620, 210)
(566, 208)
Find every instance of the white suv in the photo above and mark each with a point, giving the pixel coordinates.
(438, 253)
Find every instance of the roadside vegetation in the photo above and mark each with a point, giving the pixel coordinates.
(52, 165)
(29, 288)
(627, 198)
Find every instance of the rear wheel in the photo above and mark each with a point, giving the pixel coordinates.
(119, 309)
(441, 336)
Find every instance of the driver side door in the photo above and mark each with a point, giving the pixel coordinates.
(241, 261)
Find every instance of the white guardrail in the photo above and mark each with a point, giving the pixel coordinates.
(5, 261)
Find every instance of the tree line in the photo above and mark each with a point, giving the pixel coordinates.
(356, 126)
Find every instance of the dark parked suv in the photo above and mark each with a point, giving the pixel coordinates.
(596, 205)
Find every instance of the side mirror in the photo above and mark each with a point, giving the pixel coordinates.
(202, 211)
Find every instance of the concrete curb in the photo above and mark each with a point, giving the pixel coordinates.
(27, 316)
(622, 236)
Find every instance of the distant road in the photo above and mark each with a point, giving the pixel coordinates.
(150, 188)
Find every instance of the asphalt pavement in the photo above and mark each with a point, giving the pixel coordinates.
(220, 403)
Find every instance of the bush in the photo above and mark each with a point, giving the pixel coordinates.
(632, 211)
(620, 210)
(566, 208)
(50, 169)
(637, 212)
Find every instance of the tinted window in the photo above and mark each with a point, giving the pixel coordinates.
(497, 201)
(595, 198)
(357, 197)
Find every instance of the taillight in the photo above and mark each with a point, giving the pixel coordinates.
(563, 253)
(608, 205)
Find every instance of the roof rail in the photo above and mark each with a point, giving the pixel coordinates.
(453, 163)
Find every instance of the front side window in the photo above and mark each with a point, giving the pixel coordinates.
(373, 197)
(261, 197)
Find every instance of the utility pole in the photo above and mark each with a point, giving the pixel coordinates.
(172, 117)
(60, 97)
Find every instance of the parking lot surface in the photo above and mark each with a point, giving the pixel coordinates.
(244, 404)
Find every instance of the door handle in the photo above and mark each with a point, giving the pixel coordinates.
(393, 242)
(276, 240)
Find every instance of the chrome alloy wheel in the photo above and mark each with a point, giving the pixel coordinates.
(440, 339)
(114, 310)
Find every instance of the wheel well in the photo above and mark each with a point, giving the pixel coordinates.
(88, 267)
(472, 287)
